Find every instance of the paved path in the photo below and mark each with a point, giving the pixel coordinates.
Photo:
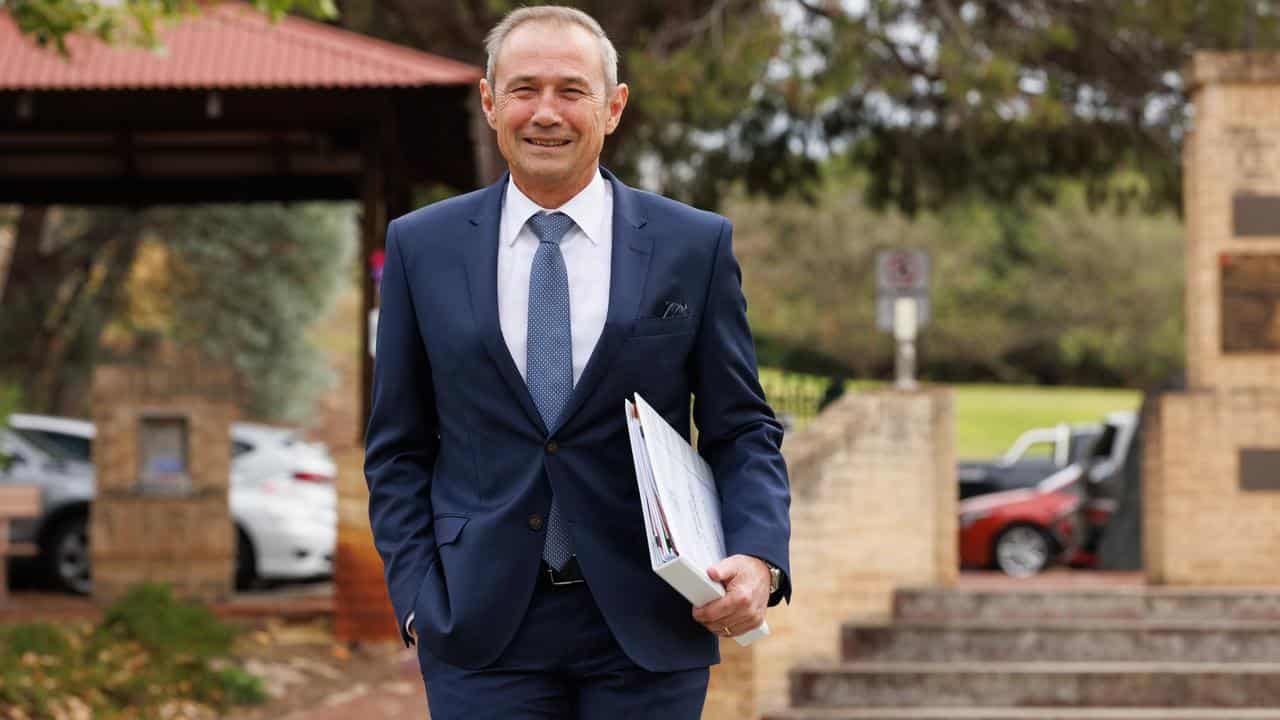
(402, 698)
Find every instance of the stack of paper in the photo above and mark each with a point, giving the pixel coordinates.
(681, 508)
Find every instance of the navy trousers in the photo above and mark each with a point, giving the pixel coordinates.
(562, 665)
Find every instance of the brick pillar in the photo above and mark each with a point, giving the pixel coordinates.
(873, 490)
(1211, 468)
(138, 534)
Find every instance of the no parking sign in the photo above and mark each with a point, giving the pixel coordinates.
(901, 273)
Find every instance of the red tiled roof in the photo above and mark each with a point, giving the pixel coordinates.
(227, 46)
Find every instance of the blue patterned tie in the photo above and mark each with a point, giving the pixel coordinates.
(549, 363)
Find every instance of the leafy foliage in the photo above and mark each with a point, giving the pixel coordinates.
(244, 283)
(150, 616)
(936, 99)
(700, 109)
(150, 652)
(939, 99)
(1062, 294)
(137, 22)
(64, 283)
(241, 282)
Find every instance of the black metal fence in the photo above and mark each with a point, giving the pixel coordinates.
(797, 399)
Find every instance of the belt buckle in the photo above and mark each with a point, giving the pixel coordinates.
(551, 575)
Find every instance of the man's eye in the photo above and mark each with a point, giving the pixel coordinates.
(523, 90)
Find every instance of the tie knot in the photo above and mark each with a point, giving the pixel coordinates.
(550, 227)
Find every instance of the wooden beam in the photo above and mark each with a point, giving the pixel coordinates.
(118, 190)
(122, 162)
(373, 222)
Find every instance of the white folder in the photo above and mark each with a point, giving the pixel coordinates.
(681, 509)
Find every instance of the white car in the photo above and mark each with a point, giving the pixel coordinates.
(282, 499)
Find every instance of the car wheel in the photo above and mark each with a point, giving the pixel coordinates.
(246, 563)
(1022, 550)
(67, 555)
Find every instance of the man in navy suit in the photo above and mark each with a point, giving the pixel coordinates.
(514, 322)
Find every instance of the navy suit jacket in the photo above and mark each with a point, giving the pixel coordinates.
(461, 467)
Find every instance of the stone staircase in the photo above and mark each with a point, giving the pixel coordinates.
(1113, 653)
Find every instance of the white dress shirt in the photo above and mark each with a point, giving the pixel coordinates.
(587, 250)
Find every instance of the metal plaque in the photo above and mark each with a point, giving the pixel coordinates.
(1259, 469)
(1255, 215)
(162, 456)
(1250, 303)
(1256, 156)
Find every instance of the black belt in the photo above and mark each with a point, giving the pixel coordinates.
(571, 574)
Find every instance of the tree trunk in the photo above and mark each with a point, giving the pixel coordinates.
(23, 260)
(86, 302)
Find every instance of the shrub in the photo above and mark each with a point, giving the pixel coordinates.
(150, 650)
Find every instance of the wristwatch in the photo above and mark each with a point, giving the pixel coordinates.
(775, 577)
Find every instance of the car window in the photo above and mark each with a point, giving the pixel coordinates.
(74, 446)
(1018, 451)
(43, 444)
(1082, 445)
(1102, 448)
(1038, 451)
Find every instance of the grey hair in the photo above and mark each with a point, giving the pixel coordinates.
(559, 15)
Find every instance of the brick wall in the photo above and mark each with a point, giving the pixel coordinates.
(186, 541)
(873, 508)
(1234, 148)
(1202, 529)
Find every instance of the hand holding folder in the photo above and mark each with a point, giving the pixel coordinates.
(681, 509)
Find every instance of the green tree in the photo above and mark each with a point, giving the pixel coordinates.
(50, 22)
(935, 98)
(940, 98)
(246, 281)
(1093, 295)
(64, 280)
(241, 282)
(698, 69)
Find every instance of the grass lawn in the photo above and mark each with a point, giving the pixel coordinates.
(990, 417)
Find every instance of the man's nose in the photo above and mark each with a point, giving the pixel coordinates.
(547, 111)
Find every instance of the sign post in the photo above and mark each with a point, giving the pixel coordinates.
(902, 305)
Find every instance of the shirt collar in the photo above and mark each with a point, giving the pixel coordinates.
(586, 209)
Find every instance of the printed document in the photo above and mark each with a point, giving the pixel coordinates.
(681, 508)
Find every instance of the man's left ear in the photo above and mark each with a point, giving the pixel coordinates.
(617, 103)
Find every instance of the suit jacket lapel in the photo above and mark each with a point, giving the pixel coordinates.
(482, 280)
(629, 267)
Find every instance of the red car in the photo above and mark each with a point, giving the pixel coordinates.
(1021, 532)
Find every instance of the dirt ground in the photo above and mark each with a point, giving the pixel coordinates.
(309, 676)
(287, 641)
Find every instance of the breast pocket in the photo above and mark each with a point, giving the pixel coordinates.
(652, 326)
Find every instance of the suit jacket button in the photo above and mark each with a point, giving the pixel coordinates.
(535, 522)
(552, 447)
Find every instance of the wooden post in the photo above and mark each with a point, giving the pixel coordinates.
(373, 223)
(362, 609)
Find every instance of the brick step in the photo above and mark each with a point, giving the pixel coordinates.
(1023, 713)
(1089, 684)
(1092, 604)
(1064, 641)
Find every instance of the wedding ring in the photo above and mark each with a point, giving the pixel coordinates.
(727, 633)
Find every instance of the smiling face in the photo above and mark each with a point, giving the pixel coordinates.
(551, 108)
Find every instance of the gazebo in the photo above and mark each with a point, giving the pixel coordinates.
(239, 109)
(235, 109)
